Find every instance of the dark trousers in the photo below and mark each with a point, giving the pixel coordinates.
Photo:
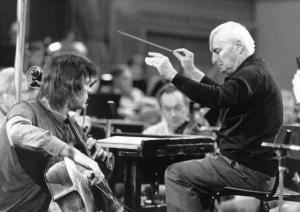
(188, 183)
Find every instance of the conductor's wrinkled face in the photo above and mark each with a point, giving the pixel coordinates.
(225, 54)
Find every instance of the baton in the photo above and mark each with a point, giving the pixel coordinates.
(144, 41)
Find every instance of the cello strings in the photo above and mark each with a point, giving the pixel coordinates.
(109, 194)
(116, 201)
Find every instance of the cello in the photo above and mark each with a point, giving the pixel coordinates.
(69, 183)
(66, 182)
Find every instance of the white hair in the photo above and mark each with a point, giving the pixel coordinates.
(234, 31)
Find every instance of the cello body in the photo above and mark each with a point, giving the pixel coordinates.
(70, 187)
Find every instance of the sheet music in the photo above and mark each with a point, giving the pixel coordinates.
(123, 141)
(135, 142)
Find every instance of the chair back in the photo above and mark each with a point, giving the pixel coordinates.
(289, 135)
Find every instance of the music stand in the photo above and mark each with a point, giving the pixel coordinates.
(286, 145)
(98, 105)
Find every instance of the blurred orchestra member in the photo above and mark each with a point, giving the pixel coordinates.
(135, 64)
(296, 86)
(8, 91)
(296, 90)
(251, 112)
(292, 173)
(37, 133)
(133, 103)
(131, 97)
(289, 110)
(175, 113)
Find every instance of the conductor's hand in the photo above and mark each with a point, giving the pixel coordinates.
(296, 86)
(186, 59)
(162, 64)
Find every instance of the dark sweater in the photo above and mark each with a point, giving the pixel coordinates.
(251, 112)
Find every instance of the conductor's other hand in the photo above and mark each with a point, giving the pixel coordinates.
(186, 59)
(296, 86)
(162, 64)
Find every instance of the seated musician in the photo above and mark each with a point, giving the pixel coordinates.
(292, 174)
(175, 114)
(36, 134)
(251, 113)
(296, 86)
(8, 91)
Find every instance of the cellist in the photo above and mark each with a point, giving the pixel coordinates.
(35, 135)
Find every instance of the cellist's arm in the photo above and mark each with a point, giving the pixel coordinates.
(85, 161)
(22, 133)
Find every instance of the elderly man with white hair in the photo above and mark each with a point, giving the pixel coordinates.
(251, 113)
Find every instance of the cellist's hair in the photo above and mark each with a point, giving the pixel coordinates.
(63, 77)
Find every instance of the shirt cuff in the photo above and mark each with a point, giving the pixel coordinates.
(172, 75)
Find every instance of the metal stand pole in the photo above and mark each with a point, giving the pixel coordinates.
(109, 115)
(19, 57)
(281, 170)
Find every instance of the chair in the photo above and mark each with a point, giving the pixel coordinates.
(289, 148)
(285, 136)
(263, 197)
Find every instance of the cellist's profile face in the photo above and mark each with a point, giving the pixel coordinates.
(79, 99)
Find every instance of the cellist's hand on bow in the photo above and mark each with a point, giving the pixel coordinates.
(88, 163)
(162, 64)
(95, 174)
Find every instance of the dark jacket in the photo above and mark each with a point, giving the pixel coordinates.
(251, 112)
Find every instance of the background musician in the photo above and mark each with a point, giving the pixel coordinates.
(296, 86)
(7, 91)
(292, 173)
(175, 113)
(131, 97)
(34, 135)
(251, 112)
